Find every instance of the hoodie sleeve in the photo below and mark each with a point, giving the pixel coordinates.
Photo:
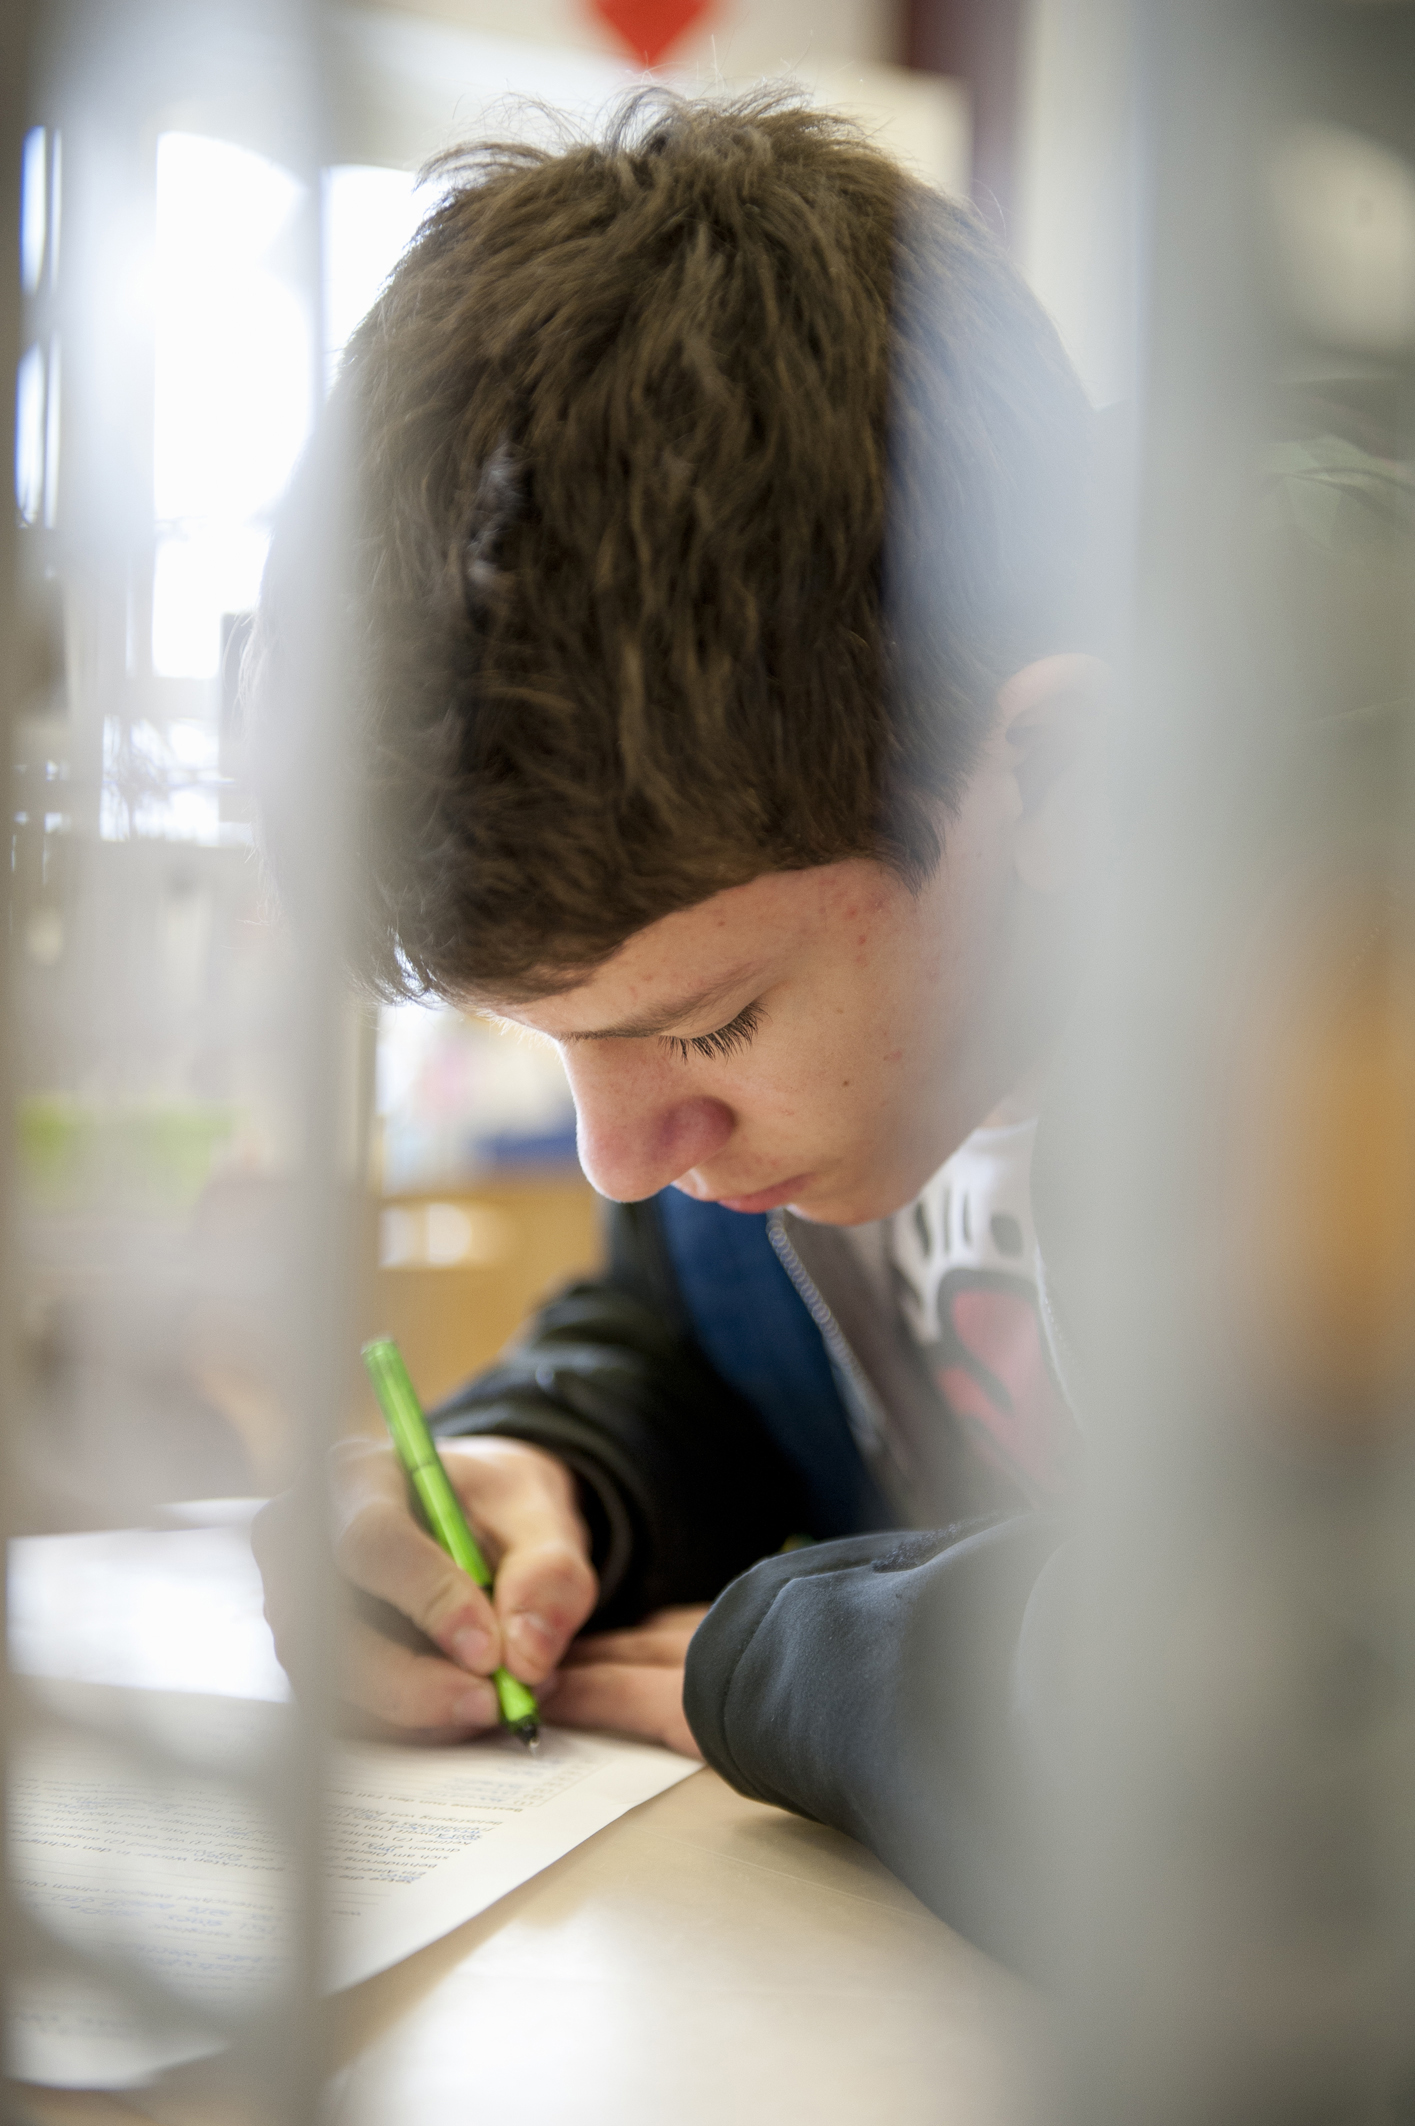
(879, 1684)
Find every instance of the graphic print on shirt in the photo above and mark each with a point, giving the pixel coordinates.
(964, 1255)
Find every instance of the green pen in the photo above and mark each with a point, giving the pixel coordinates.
(413, 1444)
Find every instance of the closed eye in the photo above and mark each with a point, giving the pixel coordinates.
(727, 1040)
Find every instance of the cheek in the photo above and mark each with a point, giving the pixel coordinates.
(836, 1079)
(961, 948)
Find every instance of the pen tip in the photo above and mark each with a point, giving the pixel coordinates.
(529, 1732)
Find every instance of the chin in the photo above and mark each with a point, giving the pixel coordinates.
(844, 1207)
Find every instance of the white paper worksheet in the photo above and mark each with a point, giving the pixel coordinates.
(138, 1833)
(185, 1879)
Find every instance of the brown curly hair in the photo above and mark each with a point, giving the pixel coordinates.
(701, 483)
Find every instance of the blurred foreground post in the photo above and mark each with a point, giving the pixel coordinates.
(179, 1059)
(14, 73)
(1242, 1919)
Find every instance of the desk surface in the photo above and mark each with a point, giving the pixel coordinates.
(702, 1960)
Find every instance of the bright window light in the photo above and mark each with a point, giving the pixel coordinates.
(371, 215)
(33, 209)
(164, 783)
(232, 354)
(201, 572)
(29, 434)
(234, 389)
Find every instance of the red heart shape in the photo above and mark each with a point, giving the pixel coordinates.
(648, 27)
(1008, 1390)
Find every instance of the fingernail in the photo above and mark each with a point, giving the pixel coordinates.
(471, 1648)
(530, 1636)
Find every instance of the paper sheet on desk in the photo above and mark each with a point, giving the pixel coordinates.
(189, 1883)
(423, 1839)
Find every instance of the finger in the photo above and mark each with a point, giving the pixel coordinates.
(524, 1504)
(660, 1641)
(544, 1592)
(647, 1702)
(382, 1550)
(413, 1694)
(640, 1648)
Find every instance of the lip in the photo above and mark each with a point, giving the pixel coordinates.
(765, 1199)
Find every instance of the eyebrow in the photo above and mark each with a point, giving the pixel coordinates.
(666, 1017)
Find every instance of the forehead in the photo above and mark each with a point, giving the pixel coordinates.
(701, 959)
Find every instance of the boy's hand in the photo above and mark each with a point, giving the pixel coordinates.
(521, 1504)
(631, 1681)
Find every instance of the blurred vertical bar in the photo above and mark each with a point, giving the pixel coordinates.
(15, 26)
(1242, 1916)
(180, 1064)
(979, 42)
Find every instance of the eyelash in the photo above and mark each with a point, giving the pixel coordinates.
(727, 1040)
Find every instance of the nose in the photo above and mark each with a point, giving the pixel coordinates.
(635, 1133)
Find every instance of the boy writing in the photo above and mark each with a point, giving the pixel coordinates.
(723, 711)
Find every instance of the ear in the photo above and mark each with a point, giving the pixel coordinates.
(1053, 725)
